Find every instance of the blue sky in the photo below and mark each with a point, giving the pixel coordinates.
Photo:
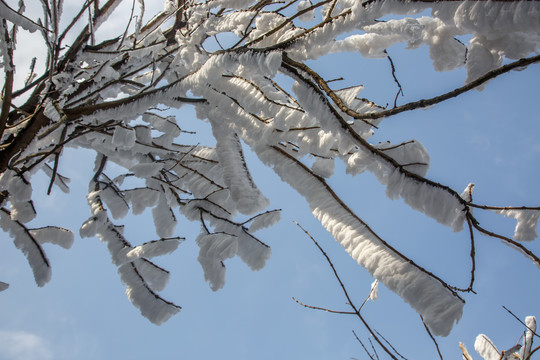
(490, 138)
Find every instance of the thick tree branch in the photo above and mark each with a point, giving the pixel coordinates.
(23, 139)
(292, 66)
(8, 83)
(332, 194)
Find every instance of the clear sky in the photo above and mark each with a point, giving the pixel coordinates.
(490, 138)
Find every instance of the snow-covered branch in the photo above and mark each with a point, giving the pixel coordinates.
(246, 68)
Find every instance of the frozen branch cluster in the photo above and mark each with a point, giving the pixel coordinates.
(117, 97)
(488, 351)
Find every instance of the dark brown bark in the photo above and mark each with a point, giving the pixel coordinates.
(23, 139)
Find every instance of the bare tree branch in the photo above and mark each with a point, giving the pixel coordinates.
(432, 338)
(516, 65)
(521, 322)
(346, 293)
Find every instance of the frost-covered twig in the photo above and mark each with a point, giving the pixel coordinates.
(30, 240)
(79, 131)
(285, 23)
(98, 96)
(290, 65)
(365, 245)
(458, 215)
(29, 245)
(372, 291)
(141, 276)
(487, 349)
(77, 17)
(324, 86)
(356, 311)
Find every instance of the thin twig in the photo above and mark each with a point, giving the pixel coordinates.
(56, 160)
(499, 208)
(456, 92)
(514, 243)
(367, 297)
(330, 10)
(374, 350)
(33, 240)
(466, 355)
(75, 19)
(344, 206)
(390, 344)
(432, 337)
(366, 350)
(289, 20)
(127, 26)
(473, 258)
(400, 89)
(522, 323)
(532, 352)
(346, 293)
(293, 67)
(323, 309)
(261, 214)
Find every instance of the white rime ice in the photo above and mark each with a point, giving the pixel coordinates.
(530, 321)
(323, 167)
(29, 246)
(141, 276)
(226, 241)
(23, 211)
(527, 223)
(164, 218)
(124, 138)
(437, 304)
(392, 165)
(265, 220)
(118, 99)
(153, 248)
(141, 198)
(53, 235)
(29, 241)
(14, 17)
(485, 347)
(140, 294)
(374, 293)
(236, 175)
(214, 249)
(60, 181)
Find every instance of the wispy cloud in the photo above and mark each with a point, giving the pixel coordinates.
(21, 345)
